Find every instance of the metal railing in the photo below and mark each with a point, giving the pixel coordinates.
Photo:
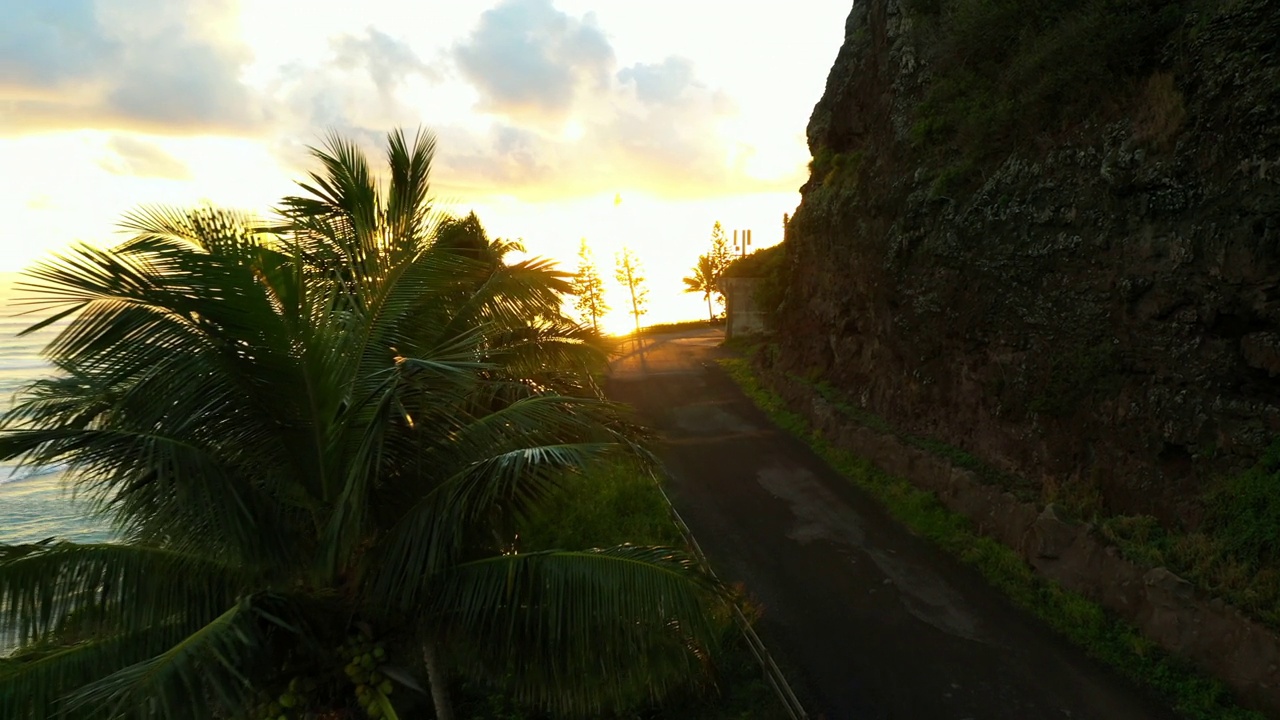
(772, 673)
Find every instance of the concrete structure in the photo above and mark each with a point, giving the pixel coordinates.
(744, 314)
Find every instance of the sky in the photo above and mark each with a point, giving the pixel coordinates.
(622, 122)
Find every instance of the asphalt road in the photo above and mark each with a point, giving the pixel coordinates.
(876, 622)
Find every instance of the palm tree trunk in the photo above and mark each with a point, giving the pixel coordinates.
(439, 683)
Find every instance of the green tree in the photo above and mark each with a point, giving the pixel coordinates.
(317, 439)
(630, 274)
(704, 280)
(720, 256)
(720, 253)
(589, 289)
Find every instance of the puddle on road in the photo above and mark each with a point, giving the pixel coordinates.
(709, 419)
(821, 515)
(928, 597)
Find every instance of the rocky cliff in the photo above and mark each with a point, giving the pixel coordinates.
(1049, 233)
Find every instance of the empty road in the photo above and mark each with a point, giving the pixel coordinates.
(878, 623)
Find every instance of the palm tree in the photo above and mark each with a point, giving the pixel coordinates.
(315, 436)
(705, 280)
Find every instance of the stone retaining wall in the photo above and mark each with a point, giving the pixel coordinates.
(1214, 636)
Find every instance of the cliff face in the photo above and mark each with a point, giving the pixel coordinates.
(1087, 294)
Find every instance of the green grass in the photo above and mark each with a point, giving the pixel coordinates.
(1233, 554)
(660, 328)
(677, 326)
(1084, 622)
(614, 503)
(1020, 487)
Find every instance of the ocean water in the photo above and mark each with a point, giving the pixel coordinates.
(35, 502)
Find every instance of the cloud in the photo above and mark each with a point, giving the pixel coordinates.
(388, 61)
(672, 149)
(356, 91)
(50, 43)
(529, 59)
(531, 101)
(661, 83)
(649, 126)
(122, 64)
(564, 119)
(131, 156)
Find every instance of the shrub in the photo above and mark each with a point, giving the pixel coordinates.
(1244, 513)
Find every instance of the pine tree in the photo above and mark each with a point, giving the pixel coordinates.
(589, 289)
(631, 274)
(720, 253)
(719, 258)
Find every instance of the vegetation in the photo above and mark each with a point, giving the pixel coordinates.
(588, 289)
(1230, 555)
(706, 280)
(708, 270)
(1084, 622)
(630, 275)
(318, 438)
(1005, 73)
(612, 503)
(1233, 553)
(836, 169)
(658, 328)
(769, 265)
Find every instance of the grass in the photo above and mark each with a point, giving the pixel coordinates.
(987, 474)
(618, 502)
(1082, 621)
(1233, 554)
(836, 169)
(676, 326)
(615, 503)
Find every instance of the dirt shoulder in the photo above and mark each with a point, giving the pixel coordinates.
(878, 622)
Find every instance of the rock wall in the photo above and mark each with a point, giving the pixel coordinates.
(1097, 309)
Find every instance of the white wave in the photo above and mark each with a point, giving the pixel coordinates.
(16, 474)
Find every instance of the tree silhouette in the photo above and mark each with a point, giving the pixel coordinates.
(704, 280)
(316, 435)
(589, 288)
(630, 273)
(719, 258)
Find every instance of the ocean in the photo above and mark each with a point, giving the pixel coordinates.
(35, 502)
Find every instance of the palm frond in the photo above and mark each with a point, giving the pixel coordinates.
(36, 684)
(426, 536)
(46, 586)
(580, 632)
(330, 417)
(212, 663)
(408, 204)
